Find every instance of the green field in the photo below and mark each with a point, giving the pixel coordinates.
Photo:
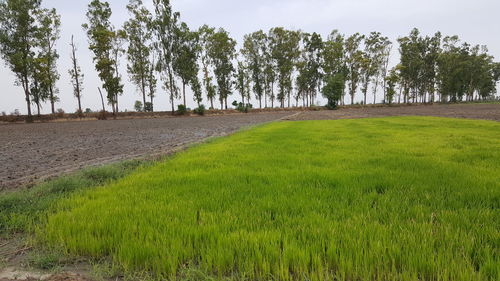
(409, 198)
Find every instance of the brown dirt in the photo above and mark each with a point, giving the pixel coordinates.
(473, 111)
(33, 152)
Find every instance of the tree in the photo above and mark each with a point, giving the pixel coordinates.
(333, 89)
(269, 72)
(138, 30)
(205, 32)
(185, 59)
(312, 55)
(334, 58)
(285, 51)
(76, 75)
(139, 106)
(354, 60)
(243, 82)
(49, 30)
(253, 51)
(391, 81)
(17, 33)
(164, 28)
(221, 50)
(101, 37)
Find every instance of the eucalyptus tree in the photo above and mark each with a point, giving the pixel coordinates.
(18, 31)
(312, 54)
(222, 52)
(76, 74)
(185, 57)
(354, 60)
(119, 38)
(164, 25)
(254, 46)
(391, 82)
(285, 51)
(102, 36)
(242, 82)
(269, 69)
(48, 32)
(138, 30)
(378, 49)
(373, 63)
(334, 60)
(205, 32)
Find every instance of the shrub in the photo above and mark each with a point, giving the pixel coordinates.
(138, 106)
(181, 110)
(88, 110)
(200, 110)
(148, 107)
(245, 108)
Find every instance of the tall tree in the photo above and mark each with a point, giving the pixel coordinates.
(312, 54)
(76, 75)
(334, 59)
(285, 51)
(242, 81)
(221, 50)
(185, 59)
(101, 36)
(269, 72)
(164, 26)
(138, 30)
(253, 51)
(49, 31)
(205, 32)
(17, 33)
(354, 60)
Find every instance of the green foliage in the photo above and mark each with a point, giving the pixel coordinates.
(22, 210)
(104, 42)
(139, 107)
(148, 107)
(285, 51)
(181, 110)
(18, 32)
(333, 90)
(254, 47)
(221, 51)
(200, 110)
(139, 34)
(408, 198)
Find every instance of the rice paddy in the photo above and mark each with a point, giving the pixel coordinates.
(412, 198)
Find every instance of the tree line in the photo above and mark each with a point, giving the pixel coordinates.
(280, 67)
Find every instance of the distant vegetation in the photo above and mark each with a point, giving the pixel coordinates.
(280, 67)
(410, 198)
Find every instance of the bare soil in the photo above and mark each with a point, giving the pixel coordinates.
(30, 153)
(472, 111)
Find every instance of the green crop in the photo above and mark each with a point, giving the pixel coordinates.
(413, 198)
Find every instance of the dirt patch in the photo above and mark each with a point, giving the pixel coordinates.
(473, 111)
(32, 152)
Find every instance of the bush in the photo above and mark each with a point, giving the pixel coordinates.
(181, 110)
(148, 107)
(241, 107)
(200, 110)
(138, 106)
(88, 110)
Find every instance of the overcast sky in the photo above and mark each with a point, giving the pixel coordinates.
(475, 21)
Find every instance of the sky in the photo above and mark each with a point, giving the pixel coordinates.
(474, 21)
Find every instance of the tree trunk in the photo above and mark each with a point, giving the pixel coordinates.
(52, 102)
(102, 100)
(184, 92)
